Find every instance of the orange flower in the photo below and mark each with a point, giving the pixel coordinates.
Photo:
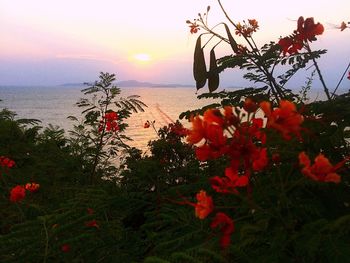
(210, 128)
(32, 187)
(322, 170)
(213, 116)
(17, 194)
(204, 206)
(253, 23)
(197, 133)
(247, 30)
(226, 226)
(284, 119)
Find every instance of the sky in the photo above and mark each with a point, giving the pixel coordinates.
(50, 42)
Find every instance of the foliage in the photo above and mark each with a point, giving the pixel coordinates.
(261, 176)
(99, 138)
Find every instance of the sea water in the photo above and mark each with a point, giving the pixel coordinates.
(52, 105)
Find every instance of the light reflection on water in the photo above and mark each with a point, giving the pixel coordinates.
(54, 104)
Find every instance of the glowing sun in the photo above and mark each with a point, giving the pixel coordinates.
(142, 57)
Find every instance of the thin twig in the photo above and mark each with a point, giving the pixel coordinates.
(318, 72)
(341, 79)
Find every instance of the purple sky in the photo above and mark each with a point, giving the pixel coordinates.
(55, 42)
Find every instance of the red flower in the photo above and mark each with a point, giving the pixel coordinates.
(32, 187)
(6, 162)
(226, 227)
(146, 125)
(111, 116)
(260, 161)
(284, 119)
(110, 122)
(92, 223)
(214, 117)
(194, 28)
(243, 149)
(65, 248)
(211, 129)
(90, 211)
(197, 133)
(290, 45)
(349, 75)
(204, 206)
(250, 105)
(229, 183)
(276, 158)
(17, 193)
(178, 129)
(322, 170)
(230, 118)
(308, 30)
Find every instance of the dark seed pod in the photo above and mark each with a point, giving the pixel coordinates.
(199, 67)
(213, 74)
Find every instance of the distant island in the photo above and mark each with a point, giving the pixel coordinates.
(136, 83)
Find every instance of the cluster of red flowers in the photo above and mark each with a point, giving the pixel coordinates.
(247, 30)
(220, 133)
(18, 192)
(6, 162)
(109, 121)
(306, 30)
(235, 132)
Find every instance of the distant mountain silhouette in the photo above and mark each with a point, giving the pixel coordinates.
(135, 83)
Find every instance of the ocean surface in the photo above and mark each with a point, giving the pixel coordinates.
(52, 105)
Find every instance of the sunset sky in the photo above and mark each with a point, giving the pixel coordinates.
(53, 42)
